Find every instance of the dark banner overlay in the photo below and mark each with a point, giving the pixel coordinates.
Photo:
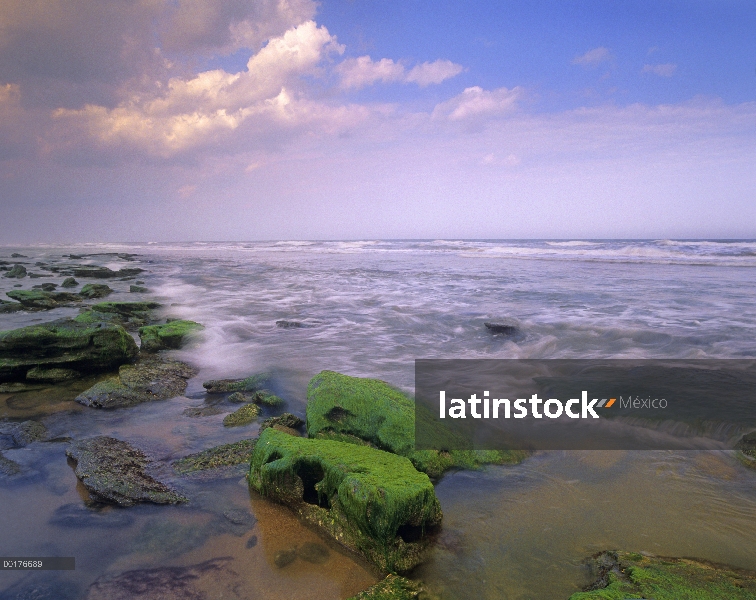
(583, 404)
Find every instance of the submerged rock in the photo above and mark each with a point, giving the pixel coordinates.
(144, 381)
(285, 557)
(103, 272)
(292, 324)
(207, 410)
(169, 336)
(392, 587)
(40, 300)
(69, 282)
(241, 397)
(218, 456)
(138, 289)
(172, 583)
(64, 344)
(127, 314)
(285, 420)
(113, 472)
(249, 384)
(8, 466)
(95, 290)
(343, 408)
(631, 575)
(45, 287)
(242, 416)
(78, 515)
(371, 501)
(503, 328)
(17, 272)
(313, 552)
(51, 375)
(18, 435)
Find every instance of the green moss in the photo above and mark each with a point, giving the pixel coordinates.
(392, 587)
(372, 410)
(629, 575)
(95, 290)
(265, 398)
(243, 416)
(168, 336)
(219, 456)
(125, 308)
(371, 501)
(40, 299)
(249, 384)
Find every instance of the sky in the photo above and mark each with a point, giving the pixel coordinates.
(235, 120)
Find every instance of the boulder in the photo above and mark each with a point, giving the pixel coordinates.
(95, 290)
(218, 456)
(18, 435)
(138, 289)
(69, 282)
(632, 575)
(64, 344)
(144, 381)
(17, 272)
(40, 300)
(45, 287)
(114, 472)
(128, 314)
(249, 384)
(8, 466)
(371, 501)
(393, 587)
(242, 416)
(169, 336)
(344, 408)
(10, 307)
(103, 272)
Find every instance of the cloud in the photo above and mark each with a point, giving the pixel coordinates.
(356, 73)
(663, 70)
(593, 57)
(477, 103)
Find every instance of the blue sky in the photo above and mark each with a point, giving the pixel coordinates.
(290, 119)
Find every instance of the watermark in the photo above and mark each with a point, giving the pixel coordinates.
(583, 404)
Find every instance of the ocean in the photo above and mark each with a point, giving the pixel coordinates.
(371, 308)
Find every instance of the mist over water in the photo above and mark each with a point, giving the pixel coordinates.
(370, 308)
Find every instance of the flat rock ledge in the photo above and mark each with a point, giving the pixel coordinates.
(113, 472)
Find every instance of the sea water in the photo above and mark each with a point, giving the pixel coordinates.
(370, 308)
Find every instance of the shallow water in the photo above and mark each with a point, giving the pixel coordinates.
(372, 308)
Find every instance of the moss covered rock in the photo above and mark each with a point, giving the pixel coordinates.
(622, 575)
(127, 314)
(343, 407)
(747, 450)
(287, 420)
(168, 336)
(96, 272)
(248, 384)
(393, 587)
(17, 272)
(145, 381)
(95, 290)
(242, 416)
(41, 300)
(218, 456)
(113, 471)
(373, 502)
(64, 344)
(69, 282)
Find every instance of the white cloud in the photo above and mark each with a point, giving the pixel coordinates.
(359, 72)
(663, 70)
(477, 103)
(593, 57)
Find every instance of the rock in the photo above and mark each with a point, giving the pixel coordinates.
(45, 287)
(41, 375)
(286, 430)
(507, 329)
(250, 384)
(342, 408)
(747, 449)
(171, 583)
(283, 558)
(251, 542)
(371, 501)
(113, 472)
(103, 272)
(38, 275)
(138, 289)
(145, 381)
(78, 515)
(393, 587)
(69, 282)
(95, 290)
(219, 456)
(65, 344)
(8, 467)
(17, 255)
(18, 272)
(10, 307)
(284, 420)
(207, 410)
(241, 397)
(632, 575)
(291, 324)
(127, 314)
(37, 299)
(313, 553)
(139, 282)
(239, 521)
(172, 335)
(21, 434)
(242, 416)
(17, 386)
(265, 398)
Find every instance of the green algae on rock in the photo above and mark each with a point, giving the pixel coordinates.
(40, 300)
(69, 282)
(747, 450)
(248, 384)
(128, 314)
(145, 381)
(95, 290)
(96, 272)
(51, 375)
(372, 410)
(242, 416)
(392, 587)
(622, 575)
(17, 272)
(171, 335)
(218, 456)
(113, 471)
(287, 420)
(64, 344)
(373, 502)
